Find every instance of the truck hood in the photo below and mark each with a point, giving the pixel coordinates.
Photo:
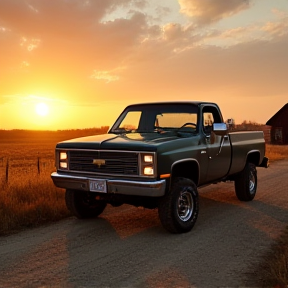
(130, 141)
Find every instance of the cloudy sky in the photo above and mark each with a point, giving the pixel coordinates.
(83, 61)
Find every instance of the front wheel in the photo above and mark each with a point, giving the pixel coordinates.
(178, 209)
(246, 183)
(83, 204)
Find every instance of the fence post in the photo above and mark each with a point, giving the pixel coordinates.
(7, 171)
(38, 165)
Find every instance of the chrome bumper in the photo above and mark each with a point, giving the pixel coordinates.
(126, 187)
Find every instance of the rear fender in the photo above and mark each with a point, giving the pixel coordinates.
(253, 156)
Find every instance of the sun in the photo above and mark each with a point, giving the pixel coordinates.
(42, 109)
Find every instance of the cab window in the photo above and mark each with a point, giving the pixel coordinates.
(210, 116)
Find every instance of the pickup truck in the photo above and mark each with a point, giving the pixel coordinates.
(157, 155)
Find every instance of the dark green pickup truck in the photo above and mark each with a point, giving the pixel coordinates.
(155, 156)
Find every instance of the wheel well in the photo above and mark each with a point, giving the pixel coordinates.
(253, 157)
(186, 169)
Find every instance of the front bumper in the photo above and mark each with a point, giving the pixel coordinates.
(125, 187)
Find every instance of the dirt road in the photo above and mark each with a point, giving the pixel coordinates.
(127, 247)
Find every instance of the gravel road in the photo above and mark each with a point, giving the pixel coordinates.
(127, 246)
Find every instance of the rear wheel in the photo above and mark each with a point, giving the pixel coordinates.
(178, 210)
(246, 183)
(83, 204)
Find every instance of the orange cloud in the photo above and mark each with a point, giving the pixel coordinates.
(278, 27)
(207, 11)
(107, 76)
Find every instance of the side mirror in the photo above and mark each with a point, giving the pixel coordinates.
(220, 129)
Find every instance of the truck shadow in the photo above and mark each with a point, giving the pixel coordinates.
(216, 202)
(127, 246)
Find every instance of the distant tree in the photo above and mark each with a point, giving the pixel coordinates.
(248, 126)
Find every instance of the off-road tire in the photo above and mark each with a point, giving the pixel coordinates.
(83, 204)
(246, 183)
(178, 209)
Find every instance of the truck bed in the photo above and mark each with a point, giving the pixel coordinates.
(243, 143)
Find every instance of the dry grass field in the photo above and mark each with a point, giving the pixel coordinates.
(276, 152)
(28, 197)
(27, 194)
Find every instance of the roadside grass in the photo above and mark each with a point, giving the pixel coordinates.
(276, 152)
(274, 268)
(28, 197)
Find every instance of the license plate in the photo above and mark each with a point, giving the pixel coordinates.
(98, 186)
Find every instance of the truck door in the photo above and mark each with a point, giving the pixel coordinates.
(218, 147)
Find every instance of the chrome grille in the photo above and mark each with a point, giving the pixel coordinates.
(125, 163)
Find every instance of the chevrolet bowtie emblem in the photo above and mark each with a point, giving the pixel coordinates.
(99, 162)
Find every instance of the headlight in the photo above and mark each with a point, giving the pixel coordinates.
(148, 158)
(63, 160)
(147, 164)
(63, 165)
(63, 156)
(149, 171)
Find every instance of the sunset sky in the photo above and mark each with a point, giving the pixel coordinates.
(67, 64)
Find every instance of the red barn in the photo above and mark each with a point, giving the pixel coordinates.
(279, 126)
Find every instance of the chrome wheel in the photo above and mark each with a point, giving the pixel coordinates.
(252, 182)
(246, 183)
(179, 208)
(185, 205)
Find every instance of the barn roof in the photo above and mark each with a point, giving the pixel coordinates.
(273, 118)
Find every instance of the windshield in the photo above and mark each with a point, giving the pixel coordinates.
(157, 118)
